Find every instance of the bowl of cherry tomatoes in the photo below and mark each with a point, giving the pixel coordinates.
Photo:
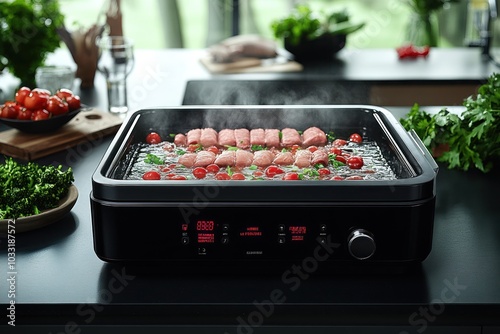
(38, 111)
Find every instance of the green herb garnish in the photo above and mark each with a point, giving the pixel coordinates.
(28, 189)
(334, 162)
(257, 148)
(153, 159)
(472, 136)
(330, 136)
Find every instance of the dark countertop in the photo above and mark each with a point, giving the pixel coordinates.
(61, 286)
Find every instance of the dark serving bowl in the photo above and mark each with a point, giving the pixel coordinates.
(43, 126)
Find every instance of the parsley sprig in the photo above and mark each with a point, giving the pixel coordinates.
(471, 136)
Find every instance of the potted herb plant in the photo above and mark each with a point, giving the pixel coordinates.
(311, 36)
(28, 33)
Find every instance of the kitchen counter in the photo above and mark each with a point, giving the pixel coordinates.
(62, 287)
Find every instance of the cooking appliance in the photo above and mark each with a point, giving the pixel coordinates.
(209, 222)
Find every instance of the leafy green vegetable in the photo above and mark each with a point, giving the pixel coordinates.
(257, 148)
(472, 136)
(334, 162)
(153, 159)
(31, 188)
(28, 32)
(303, 23)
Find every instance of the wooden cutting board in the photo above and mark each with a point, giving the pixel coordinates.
(89, 125)
(250, 65)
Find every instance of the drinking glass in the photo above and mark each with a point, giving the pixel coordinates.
(116, 61)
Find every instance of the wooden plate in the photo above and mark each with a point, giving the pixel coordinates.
(46, 217)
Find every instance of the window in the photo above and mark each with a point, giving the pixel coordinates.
(153, 23)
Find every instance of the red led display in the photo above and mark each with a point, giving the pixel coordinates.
(205, 225)
(297, 229)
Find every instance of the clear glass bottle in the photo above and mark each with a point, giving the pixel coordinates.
(477, 22)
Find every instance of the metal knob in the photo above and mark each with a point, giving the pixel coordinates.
(361, 244)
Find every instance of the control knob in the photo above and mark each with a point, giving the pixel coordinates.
(361, 244)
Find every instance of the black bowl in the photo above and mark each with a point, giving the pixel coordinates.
(43, 126)
(324, 47)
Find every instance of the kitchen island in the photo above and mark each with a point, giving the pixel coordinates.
(62, 287)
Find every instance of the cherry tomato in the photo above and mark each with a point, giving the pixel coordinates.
(176, 177)
(273, 170)
(213, 168)
(64, 93)
(40, 114)
(151, 175)
(291, 176)
(336, 151)
(312, 148)
(153, 138)
(24, 114)
(355, 162)
(339, 142)
(199, 172)
(354, 177)
(193, 147)
(56, 106)
(74, 102)
(341, 159)
(258, 173)
(356, 138)
(9, 110)
(222, 176)
(21, 94)
(295, 148)
(323, 171)
(36, 99)
(237, 176)
(213, 149)
(337, 178)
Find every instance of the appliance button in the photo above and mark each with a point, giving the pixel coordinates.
(185, 240)
(322, 228)
(225, 228)
(225, 239)
(281, 240)
(361, 244)
(281, 228)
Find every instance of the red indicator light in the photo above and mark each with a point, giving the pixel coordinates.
(184, 227)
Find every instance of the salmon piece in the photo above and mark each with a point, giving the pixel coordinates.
(243, 158)
(226, 138)
(208, 137)
(180, 139)
(303, 158)
(226, 158)
(204, 158)
(258, 137)
(193, 136)
(187, 159)
(284, 159)
(242, 137)
(272, 137)
(290, 137)
(313, 136)
(263, 158)
(320, 156)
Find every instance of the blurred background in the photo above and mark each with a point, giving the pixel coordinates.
(156, 24)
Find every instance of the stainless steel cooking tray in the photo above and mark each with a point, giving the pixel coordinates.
(197, 222)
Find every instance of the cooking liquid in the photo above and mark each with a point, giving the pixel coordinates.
(375, 166)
